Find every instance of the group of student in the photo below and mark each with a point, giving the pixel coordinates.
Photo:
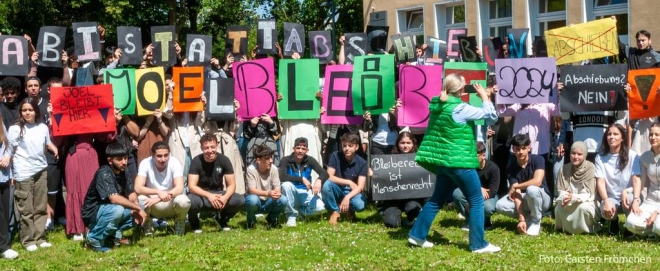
(177, 165)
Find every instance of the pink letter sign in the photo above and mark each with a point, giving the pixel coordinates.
(337, 97)
(254, 88)
(418, 85)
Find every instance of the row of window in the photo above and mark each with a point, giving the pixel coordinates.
(549, 14)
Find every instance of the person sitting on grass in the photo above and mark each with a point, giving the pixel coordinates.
(529, 195)
(489, 175)
(207, 189)
(296, 175)
(263, 184)
(576, 210)
(348, 176)
(111, 205)
(159, 184)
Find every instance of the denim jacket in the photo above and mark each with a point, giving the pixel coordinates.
(5, 173)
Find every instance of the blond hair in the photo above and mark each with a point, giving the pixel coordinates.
(452, 84)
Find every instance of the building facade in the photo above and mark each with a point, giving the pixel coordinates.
(485, 18)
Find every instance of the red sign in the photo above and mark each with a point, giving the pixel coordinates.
(82, 110)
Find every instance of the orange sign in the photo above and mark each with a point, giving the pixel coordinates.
(188, 89)
(643, 99)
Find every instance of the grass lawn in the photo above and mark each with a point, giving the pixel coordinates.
(364, 245)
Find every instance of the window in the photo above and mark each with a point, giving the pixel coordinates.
(455, 14)
(609, 2)
(500, 9)
(551, 14)
(450, 14)
(547, 6)
(500, 14)
(415, 21)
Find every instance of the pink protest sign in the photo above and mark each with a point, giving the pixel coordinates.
(254, 88)
(337, 97)
(417, 86)
(453, 48)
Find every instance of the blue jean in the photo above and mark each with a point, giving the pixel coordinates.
(334, 194)
(111, 219)
(273, 209)
(447, 179)
(461, 201)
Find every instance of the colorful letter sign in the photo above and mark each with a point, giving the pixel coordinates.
(418, 85)
(337, 98)
(643, 98)
(255, 88)
(299, 83)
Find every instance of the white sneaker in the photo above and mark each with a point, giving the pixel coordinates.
(465, 227)
(534, 229)
(78, 237)
(291, 222)
(31, 248)
(420, 243)
(197, 231)
(45, 245)
(490, 248)
(460, 216)
(10, 254)
(49, 225)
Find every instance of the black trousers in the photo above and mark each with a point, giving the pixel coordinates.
(198, 204)
(4, 217)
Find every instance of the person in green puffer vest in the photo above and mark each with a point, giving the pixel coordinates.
(449, 150)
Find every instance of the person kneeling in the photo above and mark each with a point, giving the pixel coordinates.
(159, 184)
(207, 189)
(348, 176)
(576, 183)
(264, 188)
(111, 204)
(295, 173)
(489, 175)
(529, 196)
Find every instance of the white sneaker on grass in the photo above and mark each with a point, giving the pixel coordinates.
(420, 242)
(78, 237)
(198, 231)
(10, 254)
(465, 227)
(31, 248)
(534, 229)
(45, 245)
(291, 222)
(490, 248)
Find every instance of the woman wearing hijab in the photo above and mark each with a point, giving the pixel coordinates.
(449, 150)
(576, 183)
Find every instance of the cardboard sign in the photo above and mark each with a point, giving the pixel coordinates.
(255, 88)
(294, 39)
(163, 39)
(489, 53)
(87, 41)
(198, 50)
(150, 90)
(320, 46)
(123, 88)
(299, 83)
(50, 46)
(377, 38)
(237, 41)
(14, 59)
(453, 49)
(643, 99)
(84, 76)
(468, 48)
(356, 44)
(526, 80)
(219, 99)
(266, 37)
(398, 176)
(473, 72)
(583, 41)
(417, 86)
(188, 89)
(129, 40)
(405, 48)
(337, 97)
(436, 50)
(82, 110)
(517, 42)
(373, 84)
(594, 88)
